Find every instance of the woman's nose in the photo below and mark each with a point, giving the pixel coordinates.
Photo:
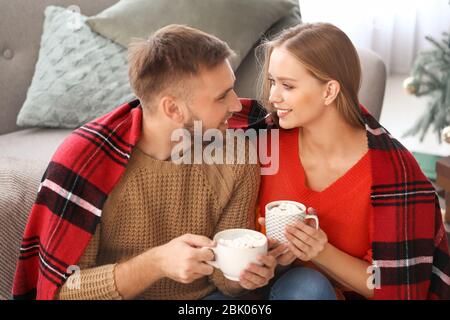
(274, 97)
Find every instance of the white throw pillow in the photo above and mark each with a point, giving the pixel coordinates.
(79, 74)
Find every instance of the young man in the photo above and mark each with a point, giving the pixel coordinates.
(157, 217)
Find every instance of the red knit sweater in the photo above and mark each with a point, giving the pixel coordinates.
(344, 207)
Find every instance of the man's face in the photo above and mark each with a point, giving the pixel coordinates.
(213, 99)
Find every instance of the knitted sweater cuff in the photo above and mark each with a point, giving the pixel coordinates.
(91, 284)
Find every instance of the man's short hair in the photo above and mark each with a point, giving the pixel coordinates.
(169, 57)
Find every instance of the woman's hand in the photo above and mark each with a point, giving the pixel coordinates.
(279, 251)
(305, 241)
(256, 276)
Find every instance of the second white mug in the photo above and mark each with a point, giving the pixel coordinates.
(276, 223)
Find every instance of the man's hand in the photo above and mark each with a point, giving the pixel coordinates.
(184, 259)
(181, 259)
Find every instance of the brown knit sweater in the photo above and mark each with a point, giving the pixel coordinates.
(155, 202)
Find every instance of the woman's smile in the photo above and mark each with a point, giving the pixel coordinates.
(281, 113)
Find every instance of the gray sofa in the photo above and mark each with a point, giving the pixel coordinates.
(24, 152)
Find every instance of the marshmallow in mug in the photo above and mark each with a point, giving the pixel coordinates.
(286, 209)
(244, 242)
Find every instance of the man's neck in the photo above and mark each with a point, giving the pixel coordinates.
(155, 137)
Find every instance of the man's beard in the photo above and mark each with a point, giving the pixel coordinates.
(189, 126)
(195, 135)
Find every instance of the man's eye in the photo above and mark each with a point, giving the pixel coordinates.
(287, 87)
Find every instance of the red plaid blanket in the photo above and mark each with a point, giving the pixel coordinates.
(410, 250)
(81, 174)
(409, 240)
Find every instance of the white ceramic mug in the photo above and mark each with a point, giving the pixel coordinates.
(231, 260)
(276, 223)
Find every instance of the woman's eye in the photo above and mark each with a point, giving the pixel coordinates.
(286, 86)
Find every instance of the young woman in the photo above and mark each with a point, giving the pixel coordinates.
(381, 233)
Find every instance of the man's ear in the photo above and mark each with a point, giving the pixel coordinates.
(171, 108)
(332, 89)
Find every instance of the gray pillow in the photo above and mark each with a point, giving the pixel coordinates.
(238, 22)
(248, 73)
(79, 75)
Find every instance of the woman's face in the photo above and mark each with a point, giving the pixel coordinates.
(297, 96)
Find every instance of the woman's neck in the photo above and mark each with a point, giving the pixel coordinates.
(331, 136)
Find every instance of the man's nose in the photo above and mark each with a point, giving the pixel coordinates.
(235, 105)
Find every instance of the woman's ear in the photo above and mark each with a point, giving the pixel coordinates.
(171, 108)
(332, 89)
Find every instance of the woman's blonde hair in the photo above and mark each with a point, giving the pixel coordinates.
(328, 54)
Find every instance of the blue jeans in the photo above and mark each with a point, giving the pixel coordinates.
(302, 284)
(217, 295)
(296, 284)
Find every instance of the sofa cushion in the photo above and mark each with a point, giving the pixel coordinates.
(35, 144)
(239, 23)
(23, 160)
(19, 181)
(79, 75)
